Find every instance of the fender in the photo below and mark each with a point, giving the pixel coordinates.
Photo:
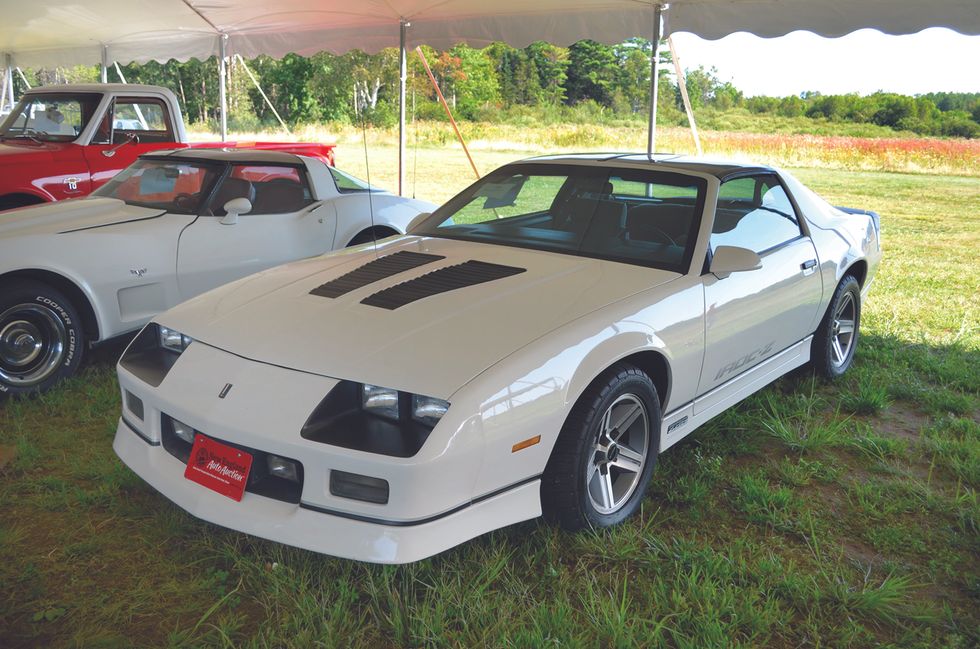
(82, 287)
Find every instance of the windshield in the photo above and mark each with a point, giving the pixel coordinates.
(637, 216)
(50, 117)
(175, 186)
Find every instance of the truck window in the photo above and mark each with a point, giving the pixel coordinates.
(51, 117)
(144, 117)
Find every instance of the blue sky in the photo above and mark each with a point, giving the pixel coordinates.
(863, 62)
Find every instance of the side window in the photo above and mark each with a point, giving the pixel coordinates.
(146, 118)
(754, 212)
(272, 189)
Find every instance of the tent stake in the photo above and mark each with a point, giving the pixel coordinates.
(402, 77)
(654, 78)
(682, 84)
(222, 94)
(449, 113)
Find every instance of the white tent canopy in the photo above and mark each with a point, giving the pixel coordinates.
(60, 32)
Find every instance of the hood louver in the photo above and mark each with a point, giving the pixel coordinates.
(450, 278)
(374, 271)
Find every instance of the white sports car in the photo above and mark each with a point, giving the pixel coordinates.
(167, 228)
(530, 348)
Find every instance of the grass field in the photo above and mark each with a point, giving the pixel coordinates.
(812, 515)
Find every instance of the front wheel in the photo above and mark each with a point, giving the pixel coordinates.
(836, 338)
(41, 338)
(605, 453)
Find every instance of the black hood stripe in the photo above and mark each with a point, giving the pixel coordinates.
(450, 278)
(374, 271)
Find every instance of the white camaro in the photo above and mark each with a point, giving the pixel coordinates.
(531, 347)
(167, 228)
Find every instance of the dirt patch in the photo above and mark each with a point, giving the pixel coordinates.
(7, 455)
(902, 422)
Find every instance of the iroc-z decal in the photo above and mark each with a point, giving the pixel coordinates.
(745, 360)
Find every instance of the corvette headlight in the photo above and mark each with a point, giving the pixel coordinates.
(173, 340)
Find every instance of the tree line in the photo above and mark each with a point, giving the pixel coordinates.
(587, 80)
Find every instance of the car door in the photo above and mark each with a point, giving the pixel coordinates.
(130, 127)
(284, 224)
(753, 315)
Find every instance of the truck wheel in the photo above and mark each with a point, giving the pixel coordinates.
(605, 453)
(41, 338)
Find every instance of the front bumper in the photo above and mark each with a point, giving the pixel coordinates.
(300, 526)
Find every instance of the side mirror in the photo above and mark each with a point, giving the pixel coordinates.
(732, 259)
(234, 208)
(414, 223)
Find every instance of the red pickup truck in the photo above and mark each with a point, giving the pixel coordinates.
(66, 141)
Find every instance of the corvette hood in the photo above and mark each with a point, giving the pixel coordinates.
(71, 215)
(432, 345)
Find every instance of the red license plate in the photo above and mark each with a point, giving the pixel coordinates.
(219, 467)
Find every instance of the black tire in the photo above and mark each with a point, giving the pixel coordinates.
(41, 337)
(833, 348)
(568, 493)
(369, 235)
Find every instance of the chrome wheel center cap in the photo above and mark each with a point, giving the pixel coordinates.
(20, 344)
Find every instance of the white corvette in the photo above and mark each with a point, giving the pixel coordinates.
(530, 348)
(167, 228)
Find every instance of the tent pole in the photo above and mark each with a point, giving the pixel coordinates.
(20, 73)
(654, 78)
(105, 64)
(222, 94)
(255, 82)
(8, 83)
(682, 84)
(402, 77)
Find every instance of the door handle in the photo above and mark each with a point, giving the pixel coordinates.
(808, 264)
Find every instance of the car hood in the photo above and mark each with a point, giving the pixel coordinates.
(431, 346)
(70, 216)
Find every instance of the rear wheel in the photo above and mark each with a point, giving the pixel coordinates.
(41, 338)
(605, 453)
(836, 338)
(371, 234)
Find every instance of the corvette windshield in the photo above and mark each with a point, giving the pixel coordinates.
(176, 186)
(50, 117)
(637, 216)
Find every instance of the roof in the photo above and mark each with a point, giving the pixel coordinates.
(235, 155)
(46, 33)
(122, 88)
(720, 168)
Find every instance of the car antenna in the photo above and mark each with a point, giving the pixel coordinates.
(370, 190)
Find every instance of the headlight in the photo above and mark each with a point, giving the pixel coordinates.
(375, 419)
(379, 401)
(153, 352)
(173, 340)
(427, 410)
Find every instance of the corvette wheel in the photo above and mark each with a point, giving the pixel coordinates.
(41, 338)
(605, 453)
(837, 336)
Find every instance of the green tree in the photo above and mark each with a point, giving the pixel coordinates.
(592, 73)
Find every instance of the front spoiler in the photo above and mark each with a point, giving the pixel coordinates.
(322, 532)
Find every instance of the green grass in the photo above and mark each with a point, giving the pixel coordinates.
(813, 514)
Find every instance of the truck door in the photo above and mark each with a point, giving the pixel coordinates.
(130, 126)
(283, 225)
